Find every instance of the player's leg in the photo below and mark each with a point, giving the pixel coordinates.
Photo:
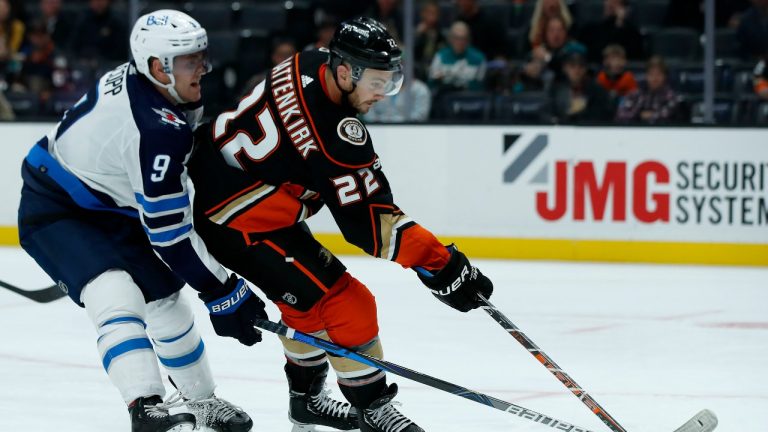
(315, 293)
(295, 272)
(170, 323)
(307, 369)
(348, 312)
(80, 250)
(115, 305)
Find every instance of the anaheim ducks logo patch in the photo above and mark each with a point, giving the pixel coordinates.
(352, 131)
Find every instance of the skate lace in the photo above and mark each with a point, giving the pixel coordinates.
(327, 405)
(161, 410)
(213, 410)
(388, 418)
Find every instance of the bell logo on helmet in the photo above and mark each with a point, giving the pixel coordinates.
(157, 20)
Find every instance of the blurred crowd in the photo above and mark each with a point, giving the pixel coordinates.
(510, 61)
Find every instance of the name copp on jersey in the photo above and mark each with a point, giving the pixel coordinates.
(123, 148)
(304, 150)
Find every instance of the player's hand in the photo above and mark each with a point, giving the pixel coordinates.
(458, 283)
(233, 308)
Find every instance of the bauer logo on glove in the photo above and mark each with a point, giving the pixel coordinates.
(455, 284)
(225, 306)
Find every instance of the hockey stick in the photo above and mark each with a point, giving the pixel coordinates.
(45, 295)
(704, 421)
(433, 382)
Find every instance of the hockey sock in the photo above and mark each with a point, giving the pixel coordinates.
(116, 307)
(361, 384)
(179, 346)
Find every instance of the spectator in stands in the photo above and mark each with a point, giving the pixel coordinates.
(39, 55)
(429, 38)
(11, 33)
(753, 30)
(388, 13)
(614, 77)
(579, 98)
(615, 27)
(760, 80)
(657, 103)
(488, 32)
(411, 104)
(58, 24)
(545, 61)
(282, 49)
(99, 35)
(325, 31)
(542, 12)
(458, 66)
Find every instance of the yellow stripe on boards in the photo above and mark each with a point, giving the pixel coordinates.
(565, 250)
(9, 236)
(591, 250)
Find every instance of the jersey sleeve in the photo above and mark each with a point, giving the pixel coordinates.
(159, 180)
(352, 184)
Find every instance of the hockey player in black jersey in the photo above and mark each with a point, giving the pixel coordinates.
(290, 147)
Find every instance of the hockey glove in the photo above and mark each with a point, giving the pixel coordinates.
(233, 309)
(458, 283)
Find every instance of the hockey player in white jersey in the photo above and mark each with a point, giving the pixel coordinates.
(105, 211)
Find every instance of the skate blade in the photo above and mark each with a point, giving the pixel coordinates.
(704, 421)
(315, 428)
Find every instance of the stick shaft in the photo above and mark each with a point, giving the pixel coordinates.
(418, 377)
(550, 364)
(45, 295)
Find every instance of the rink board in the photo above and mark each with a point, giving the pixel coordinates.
(668, 195)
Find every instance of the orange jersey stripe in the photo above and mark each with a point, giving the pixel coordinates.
(312, 122)
(297, 265)
(233, 197)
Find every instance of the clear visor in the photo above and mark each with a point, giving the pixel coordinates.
(191, 64)
(381, 82)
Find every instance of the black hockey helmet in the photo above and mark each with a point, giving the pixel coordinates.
(364, 43)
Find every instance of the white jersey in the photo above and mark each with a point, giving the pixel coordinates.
(128, 146)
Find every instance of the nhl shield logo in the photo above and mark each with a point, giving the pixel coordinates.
(352, 131)
(290, 298)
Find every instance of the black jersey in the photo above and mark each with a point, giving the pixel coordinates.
(288, 150)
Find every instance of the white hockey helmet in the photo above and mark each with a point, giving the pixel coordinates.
(166, 34)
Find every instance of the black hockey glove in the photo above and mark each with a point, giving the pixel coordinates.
(233, 309)
(458, 283)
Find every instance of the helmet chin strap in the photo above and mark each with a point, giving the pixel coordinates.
(171, 87)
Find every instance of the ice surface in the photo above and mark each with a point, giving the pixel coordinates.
(652, 344)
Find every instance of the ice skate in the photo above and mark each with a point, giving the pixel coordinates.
(149, 415)
(382, 416)
(219, 415)
(316, 408)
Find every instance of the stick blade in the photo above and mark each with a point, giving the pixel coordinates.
(704, 421)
